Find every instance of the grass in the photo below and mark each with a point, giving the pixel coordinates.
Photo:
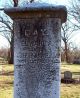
(67, 90)
(70, 90)
(74, 68)
(6, 81)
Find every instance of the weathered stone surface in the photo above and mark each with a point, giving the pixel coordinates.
(37, 57)
(54, 11)
(37, 42)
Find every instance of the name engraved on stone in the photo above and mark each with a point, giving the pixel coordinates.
(24, 28)
(35, 45)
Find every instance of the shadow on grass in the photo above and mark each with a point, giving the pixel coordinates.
(76, 73)
(6, 84)
(10, 73)
(70, 64)
(9, 82)
(73, 73)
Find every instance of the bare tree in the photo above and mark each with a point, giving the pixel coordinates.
(74, 12)
(67, 34)
(74, 21)
(6, 30)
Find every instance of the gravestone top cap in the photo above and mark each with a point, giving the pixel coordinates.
(59, 11)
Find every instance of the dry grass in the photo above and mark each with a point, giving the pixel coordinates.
(6, 81)
(71, 90)
(74, 68)
(67, 90)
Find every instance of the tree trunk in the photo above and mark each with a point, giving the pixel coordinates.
(15, 3)
(11, 52)
(66, 52)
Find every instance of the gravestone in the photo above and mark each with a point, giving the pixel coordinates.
(37, 44)
(67, 75)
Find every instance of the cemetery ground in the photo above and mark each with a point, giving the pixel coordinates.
(67, 90)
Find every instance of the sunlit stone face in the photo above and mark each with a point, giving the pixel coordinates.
(37, 57)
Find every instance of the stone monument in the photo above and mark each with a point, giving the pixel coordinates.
(37, 43)
(67, 75)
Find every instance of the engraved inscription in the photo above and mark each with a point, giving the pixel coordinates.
(37, 57)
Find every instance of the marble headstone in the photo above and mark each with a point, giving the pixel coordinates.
(37, 44)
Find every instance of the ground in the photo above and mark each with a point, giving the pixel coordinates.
(71, 90)
(67, 90)
(6, 81)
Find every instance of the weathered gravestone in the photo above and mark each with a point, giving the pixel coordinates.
(67, 75)
(37, 43)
